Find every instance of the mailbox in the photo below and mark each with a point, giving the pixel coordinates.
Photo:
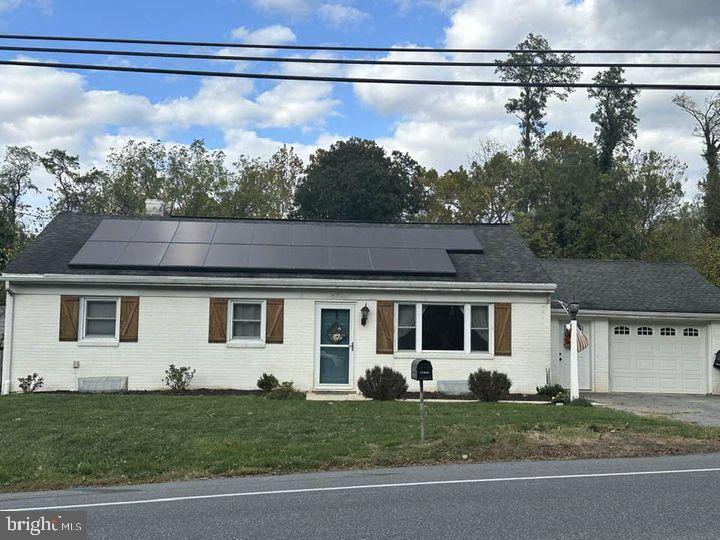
(421, 370)
(717, 360)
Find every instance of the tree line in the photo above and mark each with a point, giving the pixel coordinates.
(568, 197)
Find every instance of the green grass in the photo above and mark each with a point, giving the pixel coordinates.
(59, 440)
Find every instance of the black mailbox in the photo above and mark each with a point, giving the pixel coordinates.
(717, 360)
(421, 370)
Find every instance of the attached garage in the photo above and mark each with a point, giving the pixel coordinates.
(653, 327)
(659, 357)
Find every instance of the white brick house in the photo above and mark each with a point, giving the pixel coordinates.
(102, 298)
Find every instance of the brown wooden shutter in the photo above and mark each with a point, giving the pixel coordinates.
(503, 329)
(275, 320)
(218, 320)
(129, 317)
(385, 327)
(69, 309)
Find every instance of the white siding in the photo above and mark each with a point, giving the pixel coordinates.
(173, 328)
(714, 348)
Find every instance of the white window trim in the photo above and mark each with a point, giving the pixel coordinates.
(86, 341)
(467, 321)
(246, 342)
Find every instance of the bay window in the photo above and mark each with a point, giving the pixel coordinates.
(458, 328)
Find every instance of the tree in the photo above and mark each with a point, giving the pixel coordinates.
(73, 191)
(707, 127)
(493, 186)
(355, 179)
(614, 116)
(530, 107)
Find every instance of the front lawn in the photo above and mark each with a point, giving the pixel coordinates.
(59, 440)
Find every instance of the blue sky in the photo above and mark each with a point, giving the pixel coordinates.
(90, 113)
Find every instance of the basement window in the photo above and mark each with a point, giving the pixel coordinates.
(691, 332)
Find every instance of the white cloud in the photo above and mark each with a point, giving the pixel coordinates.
(340, 14)
(9, 5)
(292, 8)
(276, 34)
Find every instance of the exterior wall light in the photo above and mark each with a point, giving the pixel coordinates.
(365, 311)
(573, 308)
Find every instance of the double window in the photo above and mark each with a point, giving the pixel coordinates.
(100, 317)
(443, 327)
(246, 320)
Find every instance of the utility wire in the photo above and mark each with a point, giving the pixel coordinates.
(347, 48)
(317, 78)
(351, 61)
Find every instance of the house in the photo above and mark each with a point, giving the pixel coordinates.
(108, 302)
(652, 326)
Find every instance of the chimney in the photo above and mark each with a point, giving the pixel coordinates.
(153, 207)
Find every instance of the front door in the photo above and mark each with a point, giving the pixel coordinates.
(334, 345)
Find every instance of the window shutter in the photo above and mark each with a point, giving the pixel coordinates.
(129, 316)
(503, 329)
(69, 309)
(385, 327)
(218, 320)
(275, 320)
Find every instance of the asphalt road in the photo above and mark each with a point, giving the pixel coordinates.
(669, 497)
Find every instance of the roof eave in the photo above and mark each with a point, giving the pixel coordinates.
(624, 314)
(284, 282)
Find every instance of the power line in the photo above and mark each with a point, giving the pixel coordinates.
(317, 78)
(346, 48)
(351, 61)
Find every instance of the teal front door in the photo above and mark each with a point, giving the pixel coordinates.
(335, 346)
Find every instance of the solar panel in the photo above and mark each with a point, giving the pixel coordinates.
(233, 233)
(227, 256)
(98, 253)
(115, 230)
(185, 255)
(142, 254)
(275, 246)
(198, 232)
(155, 231)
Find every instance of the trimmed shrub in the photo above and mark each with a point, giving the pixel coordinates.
(549, 390)
(267, 382)
(581, 402)
(30, 383)
(561, 397)
(285, 390)
(382, 383)
(178, 378)
(489, 386)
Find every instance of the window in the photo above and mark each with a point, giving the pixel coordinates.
(247, 320)
(407, 329)
(100, 317)
(691, 332)
(462, 328)
(621, 331)
(644, 331)
(667, 331)
(443, 328)
(479, 329)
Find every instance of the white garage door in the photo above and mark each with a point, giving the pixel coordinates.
(657, 357)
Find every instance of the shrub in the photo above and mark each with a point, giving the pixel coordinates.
(382, 383)
(267, 383)
(178, 378)
(561, 397)
(581, 402)
(286, 390)
(549, 390)
(30, 383)
(487, 386)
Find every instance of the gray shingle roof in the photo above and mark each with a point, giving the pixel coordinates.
(505, 259)
(633, 286)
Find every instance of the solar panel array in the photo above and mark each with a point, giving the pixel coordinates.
(281, 246)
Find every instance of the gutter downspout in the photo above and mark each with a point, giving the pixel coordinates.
(7, 350)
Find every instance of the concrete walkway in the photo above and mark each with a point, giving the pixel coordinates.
(702, 410)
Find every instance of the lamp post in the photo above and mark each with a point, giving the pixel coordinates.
(572, 310)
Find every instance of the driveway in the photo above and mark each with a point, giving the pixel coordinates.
(702, 410)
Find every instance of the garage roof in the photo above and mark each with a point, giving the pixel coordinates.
(633, 286)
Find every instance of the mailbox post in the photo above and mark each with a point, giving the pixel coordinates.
(421, 370)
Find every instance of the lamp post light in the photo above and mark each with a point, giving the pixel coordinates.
(572, 309)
